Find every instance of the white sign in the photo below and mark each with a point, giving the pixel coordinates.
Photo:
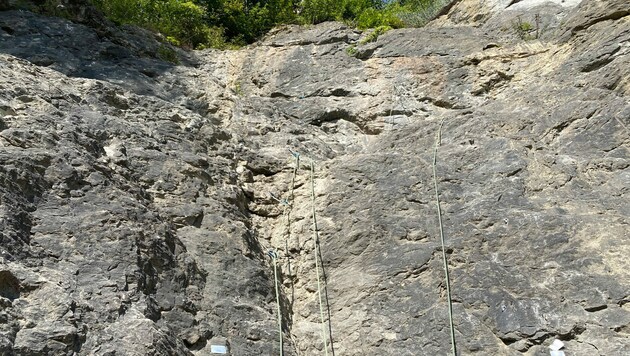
(218, 349)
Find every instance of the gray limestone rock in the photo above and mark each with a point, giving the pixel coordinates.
(139, 199)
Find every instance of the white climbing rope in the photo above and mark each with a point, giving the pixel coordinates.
(316, 251)
(438, 140)
(289, 207)
(274, 258)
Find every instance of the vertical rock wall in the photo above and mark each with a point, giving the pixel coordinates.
(139, 198)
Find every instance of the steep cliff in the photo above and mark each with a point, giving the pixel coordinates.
(139, 198)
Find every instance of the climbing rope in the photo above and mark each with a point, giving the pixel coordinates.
(274, 258)
(438, 140)
(295, 169)
(289, 206)
(316, 250)
(288, 210)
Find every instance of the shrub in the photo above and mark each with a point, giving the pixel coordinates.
(352, 50)
(214, 23)
(417, 13)
(316, 11)
(373, 36)
(372, 18)
(525, 30)
(183, 22)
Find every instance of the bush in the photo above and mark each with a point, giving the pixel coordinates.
(352, 50)
(372, 18)
(373, 36)
(225, 23)
(316, 11)
(417, 13)
(182, 22)
(210, 23)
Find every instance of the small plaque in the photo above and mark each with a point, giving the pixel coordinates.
(218, 349)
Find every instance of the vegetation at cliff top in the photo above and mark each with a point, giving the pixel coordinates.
(226, 23)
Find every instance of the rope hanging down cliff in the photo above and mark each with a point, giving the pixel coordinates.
(316, 251)
(274, 258)
(288, 206)
(288, 211)
(438, 140)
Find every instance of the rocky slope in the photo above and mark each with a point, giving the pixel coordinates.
(139, 197)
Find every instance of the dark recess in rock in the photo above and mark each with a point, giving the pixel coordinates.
(9, 285)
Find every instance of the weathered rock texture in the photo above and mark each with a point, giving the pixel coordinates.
(139, 198)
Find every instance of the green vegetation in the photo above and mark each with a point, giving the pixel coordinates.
(183, 23)
(373, 36)
(417, 13)
(225, 23)
(525, 30)
(238, 90)
(352, 50)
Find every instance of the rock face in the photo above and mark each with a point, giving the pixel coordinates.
(139, 198)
